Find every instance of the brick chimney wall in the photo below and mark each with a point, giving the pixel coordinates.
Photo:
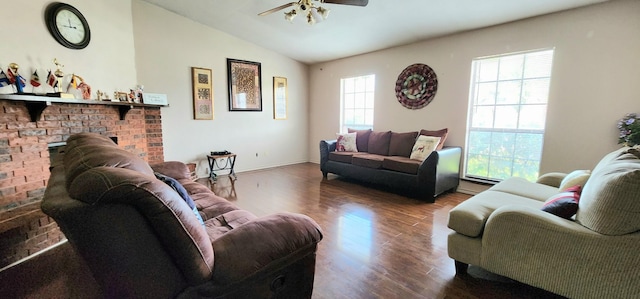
(24, 162)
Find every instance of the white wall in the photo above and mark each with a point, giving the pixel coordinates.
(108, 63)
(168, 45)
(133, 42)
(596, 81)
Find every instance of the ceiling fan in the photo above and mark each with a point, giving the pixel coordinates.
(313, 13)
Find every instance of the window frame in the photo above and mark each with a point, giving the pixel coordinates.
(367, 108)
(474, 103)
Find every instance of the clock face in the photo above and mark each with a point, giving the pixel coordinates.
(67, 25)
(70, 26)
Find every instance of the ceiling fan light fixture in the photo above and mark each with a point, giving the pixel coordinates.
(316, 16)
(290, 15)
(324, 12)
(310, 19)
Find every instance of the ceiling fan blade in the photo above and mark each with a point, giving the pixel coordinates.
(264, 13)
(347, 2)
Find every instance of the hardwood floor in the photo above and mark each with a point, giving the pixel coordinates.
(376, 244)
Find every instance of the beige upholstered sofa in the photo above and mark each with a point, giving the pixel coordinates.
(595, 254)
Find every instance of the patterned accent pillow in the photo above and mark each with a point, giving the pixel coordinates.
(346, 142)
(423, 147)
(564, 204)
(442, 133)
(175, 185)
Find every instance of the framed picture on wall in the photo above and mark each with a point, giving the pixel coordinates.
(245, 85)
(202, 93)
(279, 98)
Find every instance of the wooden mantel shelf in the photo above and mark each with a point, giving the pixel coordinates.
(36, 104)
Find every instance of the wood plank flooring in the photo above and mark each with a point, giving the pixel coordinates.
(376, 244)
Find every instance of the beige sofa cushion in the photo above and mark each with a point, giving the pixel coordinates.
(469, 217)
(524, 188)
(610, 201)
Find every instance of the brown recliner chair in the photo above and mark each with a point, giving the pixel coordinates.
(141, 239)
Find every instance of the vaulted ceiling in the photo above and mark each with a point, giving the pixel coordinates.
(353, 30)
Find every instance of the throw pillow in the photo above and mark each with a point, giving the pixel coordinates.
(575, 178)
(362, 139)
(439, 133)
(175, 185)
(401, 144)
(423, 147)
(564, 204)
(379, 143)
(346, 142)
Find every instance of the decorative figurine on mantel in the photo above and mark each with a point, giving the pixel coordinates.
(59, 74)
(15, 78)
(83, 88)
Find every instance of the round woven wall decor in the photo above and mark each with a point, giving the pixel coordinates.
(416, 86)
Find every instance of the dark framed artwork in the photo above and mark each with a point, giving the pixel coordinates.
(245, 85)
(202, 93)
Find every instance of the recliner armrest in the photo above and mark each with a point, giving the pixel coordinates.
(174, 169)
(255, 245)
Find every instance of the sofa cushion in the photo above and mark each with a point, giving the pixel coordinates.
(564, 204)
(521, 187)
(401, 164)
(609, 203)
(469, 217)
(368, 160)
(362, 139)
(443, 133)
(423, 147)
(575, 178)
(400, 144)
(344, 157)
(346, 142)
(379, 143)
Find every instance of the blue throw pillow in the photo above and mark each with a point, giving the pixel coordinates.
(564, 204)
(175, 185)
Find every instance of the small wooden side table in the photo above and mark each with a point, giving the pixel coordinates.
(222, 162)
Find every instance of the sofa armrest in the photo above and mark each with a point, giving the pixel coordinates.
(174, 169)
(251, 247)
(326, 146)
(552, 179)
(440, 171)
(536, 247)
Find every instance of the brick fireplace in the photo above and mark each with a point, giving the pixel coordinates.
(24, 160)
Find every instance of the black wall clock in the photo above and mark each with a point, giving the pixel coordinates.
(67, 25)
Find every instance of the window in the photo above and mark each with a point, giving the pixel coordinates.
(507, 115)
(356, 102)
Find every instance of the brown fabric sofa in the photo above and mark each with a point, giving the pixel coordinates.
(141, 239)
(383, 159)
(592, 255)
